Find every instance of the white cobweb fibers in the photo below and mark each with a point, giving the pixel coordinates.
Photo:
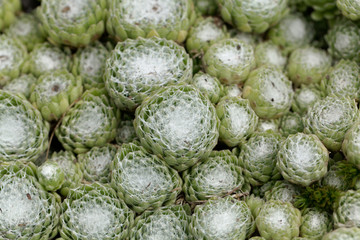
(93, 217)
(152, 12)
(155, 181)
(182, 120)
(23, 207)
(9, 54)
(143, 67)
(48, 58)
(208, 31)
(223, 219)
(52, 85)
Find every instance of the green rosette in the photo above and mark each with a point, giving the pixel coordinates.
(283, 191)
(28, 211)
(73, 23)
(23, 132)
(204, 33)
(237, 120)
(292, 32)
(269, 91)
(343, 234)
(179, 124)
(96, 163)
(308, 65)
(223, 218)
(230, 60)
(45, 58)
(278, 220)
(322, 9)
(268, 125)
(253, 16)
(209, 86)
(351, 145)
(267, 53)
(70, 166)
(89, 63)
(169, 222)
(291, 123)
(330, 118)
(305, 96)
(54, 92)
(232, 90)
(346, 210)
(136, 68)
(343, 79)
(315, 223)
(206, 7)
(94, 212)
(343, 39)
(21, 85)
(159, 184)
(302, 159)
(349, 8)
(8, 12)
(341, 176)
(26, 29)
(13, 55)
(91, 122)
(169, 19)
(258, 157)
(219, 175)
(51, 175)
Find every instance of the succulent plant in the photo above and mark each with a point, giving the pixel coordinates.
(308, 65)
(343, 234)
(343, 79)
(204, 33)
(278, 220)
(206, 7)
(51, 175)
(350, 145)
(330, 118)
(258, 157)
(91, 122)
(26, 29)
(126, 132)
(72, 172)
(179, 124)
(224, 218)
(342, 176)
(322, 9)
(346, 210)
(349, 8)
(302, 159)
(28, 211)
(232, 90)
(315, 223)
(305, 96)
(23, 132)
(283, 191)
(268, 125)
(8, 11)
(75, 23)
(269, 91)
(96, 163)
(158, 186)
(218, 175)
(267, 53)
(230, 60)
(54, 92)
(89, 63)
(253, 16)
(21, 85)
(170, 19)
(93, 212)
(136, 68)
(343, 40)
(169, 222)
(13, 55)
(237, 120)
(45, 58)
(209, 86)
(291, 123)
(292, 32)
